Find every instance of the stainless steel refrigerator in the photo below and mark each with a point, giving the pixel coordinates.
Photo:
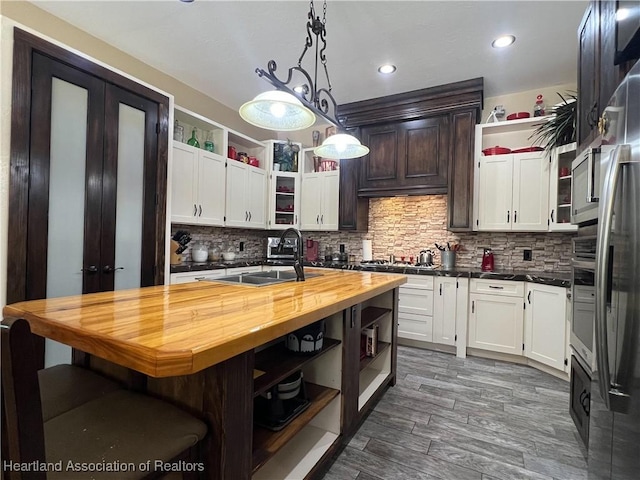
(614, 438)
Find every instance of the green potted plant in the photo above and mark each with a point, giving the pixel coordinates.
(560, 128)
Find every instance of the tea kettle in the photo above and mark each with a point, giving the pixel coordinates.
(425, 257)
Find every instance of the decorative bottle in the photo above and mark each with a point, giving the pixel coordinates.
(193, 141)
(538, 108)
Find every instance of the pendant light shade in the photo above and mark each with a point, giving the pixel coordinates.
(277, 110)
(340, 146)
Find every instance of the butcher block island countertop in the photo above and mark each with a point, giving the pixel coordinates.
(216, 349)
(181, 329)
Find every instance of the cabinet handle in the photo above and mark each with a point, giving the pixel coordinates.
(507, 216)
(496, 288)
(199, 278)
(322, 219)
(317, 219)
(195, 209)
(441, 289)
(515, 216)
(109, 269)
(552, 210)
(529, 297)
(473, 306)
(90, 269)
(200, 211)
(246, 216)
(249, 216)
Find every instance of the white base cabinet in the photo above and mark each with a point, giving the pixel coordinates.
(444, 311)
(496, 317)
(450, 312)
(415, 308)
(545, 324)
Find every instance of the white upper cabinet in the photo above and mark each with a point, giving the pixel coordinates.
(560, 179)
(319, 201)
(197, 186)
(246, 189)
(208, 188)
(511, 191)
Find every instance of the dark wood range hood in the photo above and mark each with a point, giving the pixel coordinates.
(421, 143)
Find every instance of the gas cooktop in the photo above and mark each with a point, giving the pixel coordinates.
(386, 263)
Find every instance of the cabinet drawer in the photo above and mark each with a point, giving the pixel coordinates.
(415, 301)
(423, 282)
(497, 287)
(417, 327)
(186, 277)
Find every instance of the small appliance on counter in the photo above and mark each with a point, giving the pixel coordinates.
(425, 258)
(287, 251)
(311, 251)
(487, 260)
(199, 253)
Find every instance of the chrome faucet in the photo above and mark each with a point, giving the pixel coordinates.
(297, 252)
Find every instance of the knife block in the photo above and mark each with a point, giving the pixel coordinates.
(175, 257)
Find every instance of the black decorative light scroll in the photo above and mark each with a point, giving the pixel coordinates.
(319, 100)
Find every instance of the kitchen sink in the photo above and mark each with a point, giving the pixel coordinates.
(283, 274)
(259, 279)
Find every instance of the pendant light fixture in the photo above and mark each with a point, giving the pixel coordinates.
(297, 101)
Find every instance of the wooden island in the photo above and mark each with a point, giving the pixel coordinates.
(213, 348)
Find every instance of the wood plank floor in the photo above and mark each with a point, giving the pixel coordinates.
(459, 419)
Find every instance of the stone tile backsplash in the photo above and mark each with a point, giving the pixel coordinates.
(404, 226)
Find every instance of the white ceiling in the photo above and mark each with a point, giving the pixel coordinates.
(215, 46)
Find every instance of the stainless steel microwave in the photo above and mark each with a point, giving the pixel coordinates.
(587, 172)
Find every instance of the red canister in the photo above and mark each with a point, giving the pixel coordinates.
(231, 152)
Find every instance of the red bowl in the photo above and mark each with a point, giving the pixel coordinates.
(527, 150)
(518, 115)
(496, 151)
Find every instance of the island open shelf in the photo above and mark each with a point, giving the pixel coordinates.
(371, 314)
(366, 361)
(267, 443)
(278, 363)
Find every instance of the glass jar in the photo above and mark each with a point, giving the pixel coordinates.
(208, 144)
(178, 132)
(193, 141)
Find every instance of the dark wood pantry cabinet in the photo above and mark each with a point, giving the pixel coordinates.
(88, 176)
(598, 75)
(421, 143)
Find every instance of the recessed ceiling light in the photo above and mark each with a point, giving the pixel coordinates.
(503, 41)
(387, 68)
(186, 1)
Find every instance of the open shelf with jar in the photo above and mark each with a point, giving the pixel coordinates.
(210, 136)
(293, 450)
(560, 188)
(375, 364)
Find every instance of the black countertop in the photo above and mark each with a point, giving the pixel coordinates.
(556, 279)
